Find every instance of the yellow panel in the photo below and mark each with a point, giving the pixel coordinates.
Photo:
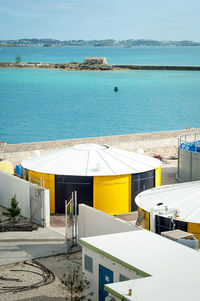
(49, 183)
(112, 194)
(145, 223)
(158, 177)
(194, 228)
(7, 166)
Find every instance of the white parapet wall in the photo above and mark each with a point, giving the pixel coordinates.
(10, 186)
(28, 201)
(93, 222)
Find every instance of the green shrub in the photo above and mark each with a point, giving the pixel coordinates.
(18, 59)
(13, 211)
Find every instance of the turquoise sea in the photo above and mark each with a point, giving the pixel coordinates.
(115, 55)
(39, 105)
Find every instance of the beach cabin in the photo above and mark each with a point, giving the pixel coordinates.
(105, 178)
(171, 207)
(140, 265)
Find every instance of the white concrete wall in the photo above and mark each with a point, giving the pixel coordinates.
(46, 208)
(10, 186)
(93, 222)
(99, 259)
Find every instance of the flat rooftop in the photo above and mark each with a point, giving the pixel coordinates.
(171, 269)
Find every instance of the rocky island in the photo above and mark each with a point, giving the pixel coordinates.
(93, 64)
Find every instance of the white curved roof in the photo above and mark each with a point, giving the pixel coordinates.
(184, 196)
(90, 160)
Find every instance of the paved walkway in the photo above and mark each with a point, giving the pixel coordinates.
(57, 221)
(21, 246)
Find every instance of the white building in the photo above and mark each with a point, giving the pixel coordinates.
(95, 60)
(153, 267)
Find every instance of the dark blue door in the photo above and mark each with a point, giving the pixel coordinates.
(105, 277)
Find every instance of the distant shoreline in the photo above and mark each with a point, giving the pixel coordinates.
(95, 67)
(128, 43)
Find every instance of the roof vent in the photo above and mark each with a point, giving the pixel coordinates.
(36, 153)
(96, 168)
(90, 147)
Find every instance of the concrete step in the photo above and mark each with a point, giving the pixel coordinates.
(40, 235)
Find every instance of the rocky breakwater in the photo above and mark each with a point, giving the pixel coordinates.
(156, 67)
(64, 66)
(76, 66)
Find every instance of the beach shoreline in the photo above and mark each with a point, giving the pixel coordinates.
(163, 143)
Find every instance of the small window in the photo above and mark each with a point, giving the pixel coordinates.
(123, 278)
(88, 264)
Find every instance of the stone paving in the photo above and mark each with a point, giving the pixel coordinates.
(20, 246)
(57, 221)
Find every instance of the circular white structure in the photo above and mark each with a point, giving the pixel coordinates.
(177, 204)
(185, 197)
(104, 177)
(90, 160)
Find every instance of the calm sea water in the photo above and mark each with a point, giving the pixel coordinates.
(114, 55)
(38, 105)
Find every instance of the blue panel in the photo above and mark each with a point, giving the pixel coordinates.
(105, 277)
(19, 170)
(88, 264)
(191, 147)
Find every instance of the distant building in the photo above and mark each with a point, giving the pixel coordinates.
(96, 60)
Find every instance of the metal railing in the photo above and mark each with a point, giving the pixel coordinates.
(188, 139)
(40, 181)
(71, 217)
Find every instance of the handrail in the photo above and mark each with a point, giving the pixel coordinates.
(71, 203)
(190, 137)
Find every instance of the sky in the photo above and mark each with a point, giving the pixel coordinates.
(100, 19)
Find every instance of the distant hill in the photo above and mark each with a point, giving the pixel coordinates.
(108, 42)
